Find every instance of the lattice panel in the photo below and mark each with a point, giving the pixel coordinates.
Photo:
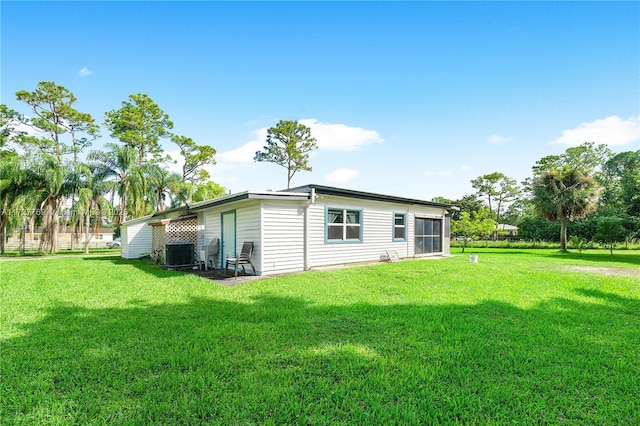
(158, 240)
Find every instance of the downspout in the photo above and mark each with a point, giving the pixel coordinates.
(312, 200)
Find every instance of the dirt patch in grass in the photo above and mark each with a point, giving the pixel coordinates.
(607, 271)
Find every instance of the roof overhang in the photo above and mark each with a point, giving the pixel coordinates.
(251, 195)
(163, 222)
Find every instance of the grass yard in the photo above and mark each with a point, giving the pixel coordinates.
(522, 337)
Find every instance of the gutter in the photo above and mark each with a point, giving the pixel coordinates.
(312, 200)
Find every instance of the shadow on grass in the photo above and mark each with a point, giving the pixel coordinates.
(145, 265)
(281, 360)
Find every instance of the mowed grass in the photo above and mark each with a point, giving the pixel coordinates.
(522, 337)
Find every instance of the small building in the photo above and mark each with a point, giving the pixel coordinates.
(507, 230)
(298, 229)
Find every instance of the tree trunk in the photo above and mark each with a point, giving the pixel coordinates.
(87, 237)
(32, 226)
(4, 219)
(3, 232)
(56, 226)
(160, 206)
(563, 234)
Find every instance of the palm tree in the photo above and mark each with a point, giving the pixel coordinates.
(183, 192)
(92, 204)
(563, 194)
(119, 165)
(207, 191)
(17, 193)
(161, 184)
(51, 184)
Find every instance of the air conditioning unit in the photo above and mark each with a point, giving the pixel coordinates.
(178, 255)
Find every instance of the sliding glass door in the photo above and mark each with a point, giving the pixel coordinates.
(428, 235)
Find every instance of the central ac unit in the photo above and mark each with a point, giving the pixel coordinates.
(178, 255)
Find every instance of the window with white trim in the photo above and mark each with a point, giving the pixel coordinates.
(343, 225)
(399, 227)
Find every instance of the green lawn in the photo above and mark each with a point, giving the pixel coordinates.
(522, 337)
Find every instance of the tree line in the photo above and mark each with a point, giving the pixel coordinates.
(587, 193)
(50, 177)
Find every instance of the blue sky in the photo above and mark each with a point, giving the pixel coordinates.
(407, 98)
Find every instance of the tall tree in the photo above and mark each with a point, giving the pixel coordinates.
(92, 204)
(9, 120)
(563, 187)
(195, 157)
(61, 130)
(140, 123)
(288, 145)
(160, 183)
(119, 165)
(622, 184)
(54, 117)
(498, 189)
(54, 186)
(18, 183)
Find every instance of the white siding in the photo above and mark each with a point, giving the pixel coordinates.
(377, 231)
(282, 236)
(277, 229)
(247, 227)
(136, 240)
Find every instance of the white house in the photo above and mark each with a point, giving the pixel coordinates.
(299, 229)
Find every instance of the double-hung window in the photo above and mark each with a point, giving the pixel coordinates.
(343, 225)
(399, 227)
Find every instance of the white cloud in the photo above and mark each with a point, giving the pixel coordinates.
(242, 154)
(246, 152)
(340, 137)
(31, 131)
(336, 137)
(611, 131)
(342, 175)
(439, 173)
(498, 140)
(466, 167)
(84, 72)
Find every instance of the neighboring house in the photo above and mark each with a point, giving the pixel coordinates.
(105, 235)
(508, 230)
(299, 229)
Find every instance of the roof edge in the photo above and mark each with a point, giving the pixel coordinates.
(330, 190)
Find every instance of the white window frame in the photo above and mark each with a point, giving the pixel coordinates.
(344, 211)
(396, 226)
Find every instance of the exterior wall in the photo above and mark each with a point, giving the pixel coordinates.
(136, 235)
(247, 228)
(278, 227)
(282, 236)
(377, 231)
(135, 240)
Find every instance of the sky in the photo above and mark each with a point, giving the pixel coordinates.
(413, 99)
